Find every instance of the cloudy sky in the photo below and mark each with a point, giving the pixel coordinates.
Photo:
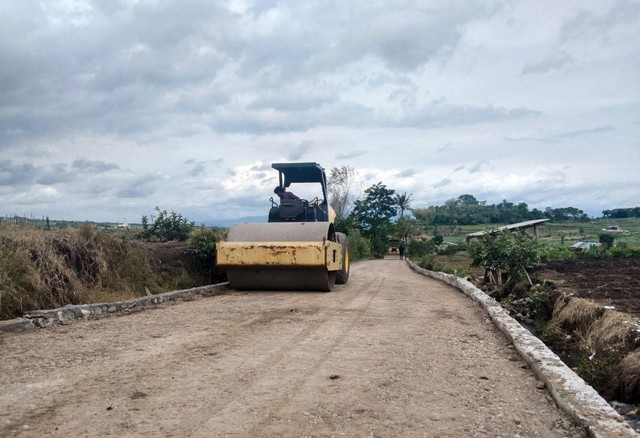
(110, 108)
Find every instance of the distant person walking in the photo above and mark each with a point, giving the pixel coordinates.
(401, 249)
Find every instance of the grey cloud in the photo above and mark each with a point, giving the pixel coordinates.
(459, 168)
(197, 170)
(256, 124)
(93, 166)
(264, 167)
(438, 114)
(293, 98)
(139, 186)
(407, 173)
(581, 132)
(352, 154)
(477, 167)
(16, 174)
(407, 41)
(384, 79)
(113, 69)
(442, 183)
(405, 96)
(444, 147)
(246, 121)
(584, 23)
(321, 41)
(134, 193)
(299, 151)
(552, 62)
(104, 74)
(554, 138)
(57, 174)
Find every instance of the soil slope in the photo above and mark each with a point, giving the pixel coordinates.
(390, 354)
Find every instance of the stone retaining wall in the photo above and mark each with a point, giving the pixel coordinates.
(571, 393)
(45, 318)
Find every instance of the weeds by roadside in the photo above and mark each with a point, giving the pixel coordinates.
(42, 269)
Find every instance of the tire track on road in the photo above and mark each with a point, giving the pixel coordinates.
(243, 380)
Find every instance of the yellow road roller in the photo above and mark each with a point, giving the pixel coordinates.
(297, 249)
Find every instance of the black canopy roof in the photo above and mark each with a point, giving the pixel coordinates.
(302, 173)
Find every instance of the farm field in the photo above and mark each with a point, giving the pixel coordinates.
(614, 283)
(608, 282)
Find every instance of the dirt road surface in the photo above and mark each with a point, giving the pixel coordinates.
(390, 354)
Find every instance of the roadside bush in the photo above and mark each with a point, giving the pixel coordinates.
(359, 246)
(166, 226)
(420, 248)
(202, 248)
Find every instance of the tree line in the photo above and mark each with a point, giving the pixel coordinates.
(620, 213)
(381, 213)
(467, 210)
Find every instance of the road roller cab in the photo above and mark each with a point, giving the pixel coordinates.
(298, 249)
(314, 209)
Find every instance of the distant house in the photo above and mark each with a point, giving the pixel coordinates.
(584, 246)
(615, 229)
(422, 236)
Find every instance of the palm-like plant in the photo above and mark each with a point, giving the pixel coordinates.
(403, 202)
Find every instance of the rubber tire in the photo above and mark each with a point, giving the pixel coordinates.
(342, 276)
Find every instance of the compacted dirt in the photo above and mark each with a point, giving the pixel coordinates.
(390, 354)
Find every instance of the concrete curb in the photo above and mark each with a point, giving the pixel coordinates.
(570, 392)
(46, 318)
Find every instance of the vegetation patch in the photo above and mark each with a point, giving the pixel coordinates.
(41, 269)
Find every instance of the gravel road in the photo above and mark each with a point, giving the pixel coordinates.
(390, 354)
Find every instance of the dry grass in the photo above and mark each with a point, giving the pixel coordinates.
(614, 329)
(609, 342)
(628, 377)
(47, 269)
(576, 314)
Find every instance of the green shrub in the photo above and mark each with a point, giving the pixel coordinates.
(550, 253)
(449, 249)
(606, 240)
(359, 246)
(419, 248)
(202, 252)
(504, 252)
(166, 226)
(623, 251)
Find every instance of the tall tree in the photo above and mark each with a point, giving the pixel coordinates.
(374, 214)
(343, 188)
(403, 202)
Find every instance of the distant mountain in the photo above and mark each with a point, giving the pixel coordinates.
(227, 223)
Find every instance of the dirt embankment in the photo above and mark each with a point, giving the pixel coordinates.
(595, 323)
(390, 354)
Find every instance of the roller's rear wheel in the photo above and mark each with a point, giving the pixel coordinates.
(342, 275)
